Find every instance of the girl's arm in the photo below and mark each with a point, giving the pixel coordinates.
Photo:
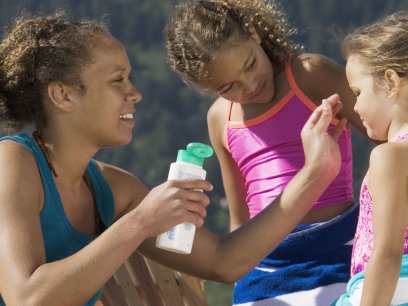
(387, 182)
(320, 77)
(233, 182)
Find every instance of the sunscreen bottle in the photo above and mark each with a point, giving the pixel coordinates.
(189, 165)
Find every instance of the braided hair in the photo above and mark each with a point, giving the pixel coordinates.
(34, 52)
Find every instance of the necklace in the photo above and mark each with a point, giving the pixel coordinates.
(40, 142)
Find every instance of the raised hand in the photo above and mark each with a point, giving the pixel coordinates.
(321, 146)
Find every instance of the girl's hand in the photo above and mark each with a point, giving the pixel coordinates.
(172, 203)
(321, 147)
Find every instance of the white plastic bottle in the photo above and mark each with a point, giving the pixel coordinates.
(189, 165)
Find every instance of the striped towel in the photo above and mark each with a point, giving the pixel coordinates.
(310, 267)
(355, 289)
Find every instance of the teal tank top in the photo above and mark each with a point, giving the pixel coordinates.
(61, 239)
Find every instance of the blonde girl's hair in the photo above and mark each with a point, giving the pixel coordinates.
(381, 45)
(197, 29)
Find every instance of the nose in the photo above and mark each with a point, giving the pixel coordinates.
(250, 85)
(134, 95)
(355, 108)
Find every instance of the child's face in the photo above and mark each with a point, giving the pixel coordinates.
(371, 100)
(106, 107)
(242, 73)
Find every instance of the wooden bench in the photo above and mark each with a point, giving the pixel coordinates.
(142, 282)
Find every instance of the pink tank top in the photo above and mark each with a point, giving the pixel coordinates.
(268, 151)
(363, 240)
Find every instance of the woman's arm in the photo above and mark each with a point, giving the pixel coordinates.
(387, 182)
(25, 276)
(229, 258)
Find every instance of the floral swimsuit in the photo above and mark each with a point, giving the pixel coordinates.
(363, 239)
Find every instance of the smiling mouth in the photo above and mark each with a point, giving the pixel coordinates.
(126, 116)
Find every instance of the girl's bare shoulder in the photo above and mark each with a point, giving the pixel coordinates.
(390, 157)
(217, 115)
(318, 76)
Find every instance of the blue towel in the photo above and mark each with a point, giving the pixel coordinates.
(310, 267)
(355, 288)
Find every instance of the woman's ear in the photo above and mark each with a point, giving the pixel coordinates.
(58, 94)
(392, 82)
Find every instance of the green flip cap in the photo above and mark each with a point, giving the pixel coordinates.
(195, 153)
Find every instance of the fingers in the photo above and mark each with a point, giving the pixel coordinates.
(191, 206)
(335, 103)
(314, 117)
(195, 219)
(192, 184)
(326, 111)
(333, 99)
(191, 190)
(339, 128)
(191, 200)
(326, 115)
(193, 196)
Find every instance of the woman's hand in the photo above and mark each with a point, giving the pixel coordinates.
(321, 147)
(172, 203)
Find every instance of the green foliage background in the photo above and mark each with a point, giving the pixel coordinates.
(171, 114)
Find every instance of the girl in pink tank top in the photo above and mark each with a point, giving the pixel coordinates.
(240, 51)
(377, 70)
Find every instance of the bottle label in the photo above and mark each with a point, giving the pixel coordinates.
(180, 238)
(178, 173)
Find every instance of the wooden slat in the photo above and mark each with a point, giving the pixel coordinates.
(193, 290)
(142, 282)
(112, 294)
(145, 279)
(167, 283)
(129, 289)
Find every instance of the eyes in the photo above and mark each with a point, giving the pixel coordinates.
(121, 79)
(356, 93)
(224, 91)
(251, 65)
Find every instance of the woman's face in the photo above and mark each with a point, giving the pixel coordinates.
(241, 72)
(107, 105)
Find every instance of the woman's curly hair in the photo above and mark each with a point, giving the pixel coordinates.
(34, 52)
(198, 28)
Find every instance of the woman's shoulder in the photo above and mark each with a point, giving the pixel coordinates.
(19, 172)
(126, 187)
(116, 176)
(16, 154)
